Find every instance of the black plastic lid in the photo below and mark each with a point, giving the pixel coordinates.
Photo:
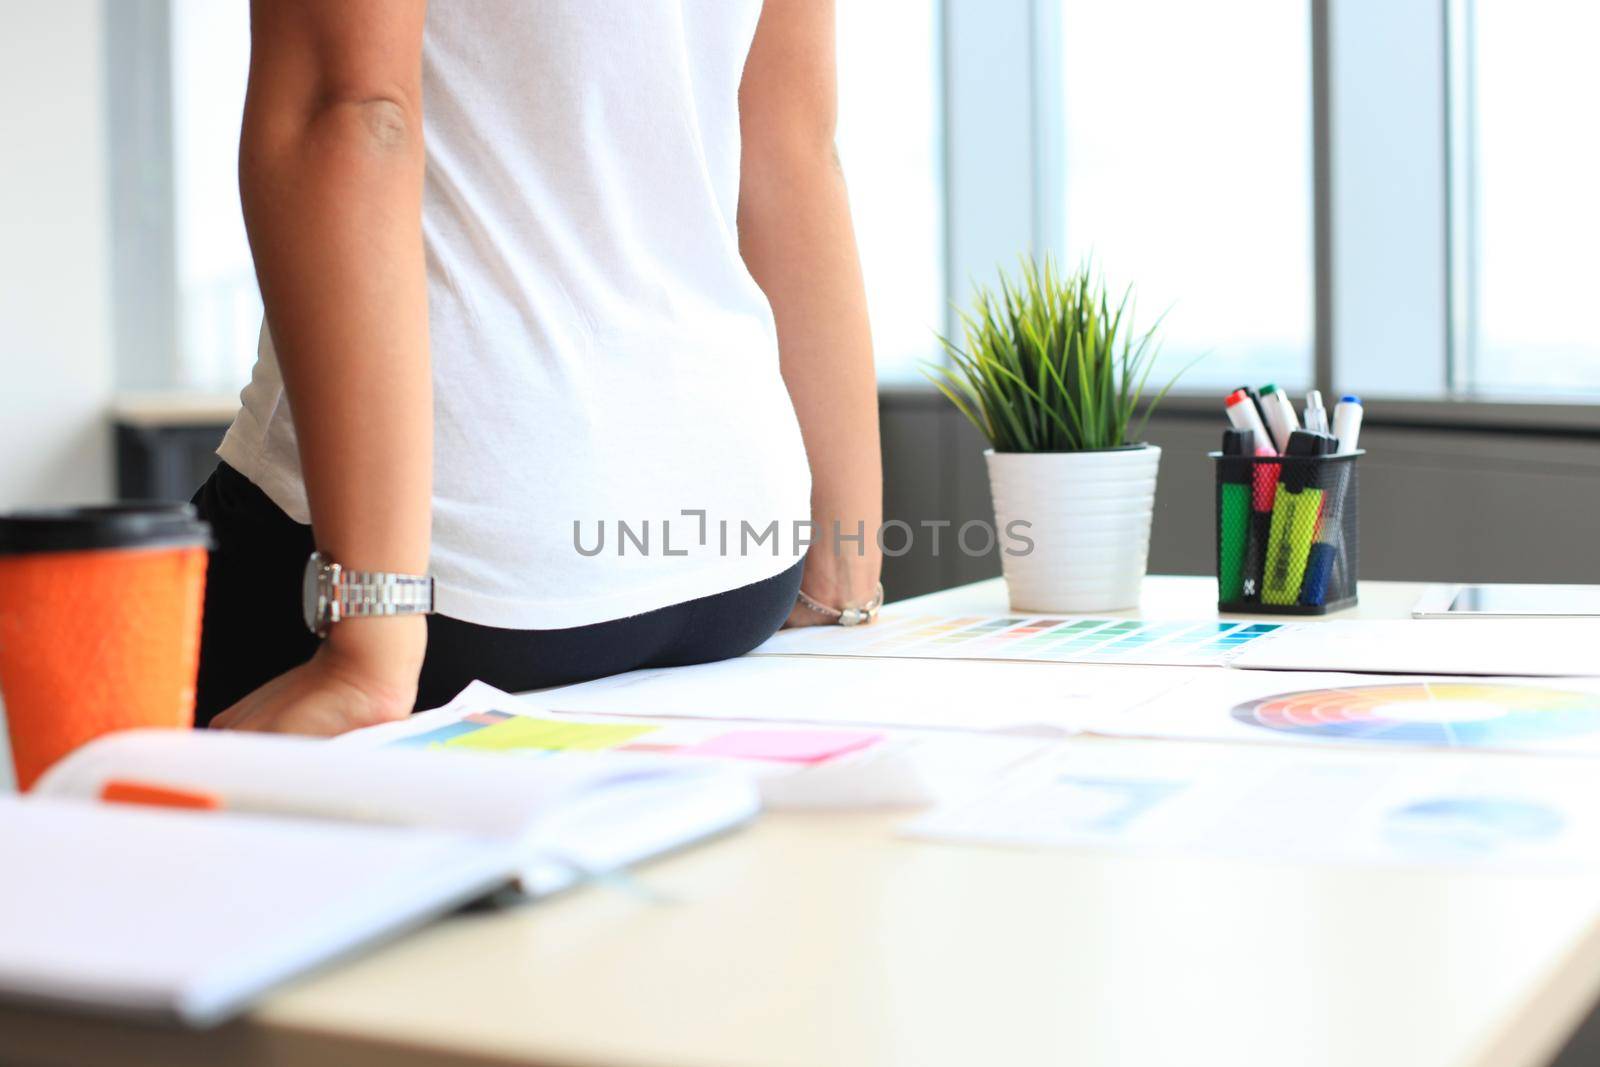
(130, 525)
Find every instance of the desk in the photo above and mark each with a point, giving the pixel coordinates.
(824, 941)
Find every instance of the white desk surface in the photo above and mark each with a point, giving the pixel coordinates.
(822, 940)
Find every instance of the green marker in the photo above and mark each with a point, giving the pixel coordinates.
(1233, 513)
(1295, 511)
(1294, 527)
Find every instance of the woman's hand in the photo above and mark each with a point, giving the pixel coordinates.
(800, 615)
(365, 673)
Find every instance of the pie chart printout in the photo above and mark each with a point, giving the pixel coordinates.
(1459, 714)
(1465, 827)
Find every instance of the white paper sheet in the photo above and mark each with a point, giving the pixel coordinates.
(1457, 810)
(795, 766)
(1554, 715)
(188, 915)
(1536, 647)
(300, 777)
(567, 819)
(1046, 699)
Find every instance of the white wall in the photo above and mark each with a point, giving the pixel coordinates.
(56, 369)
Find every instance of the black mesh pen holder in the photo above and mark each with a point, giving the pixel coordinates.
(1287, 541)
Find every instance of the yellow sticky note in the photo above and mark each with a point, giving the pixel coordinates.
(525, 731)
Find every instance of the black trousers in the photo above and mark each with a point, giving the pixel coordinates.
(253, 629)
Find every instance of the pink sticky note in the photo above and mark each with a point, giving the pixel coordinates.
(788, 746)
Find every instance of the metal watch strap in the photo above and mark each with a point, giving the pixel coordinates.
(363, 594)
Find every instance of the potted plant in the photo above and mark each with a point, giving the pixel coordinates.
(1053, 374)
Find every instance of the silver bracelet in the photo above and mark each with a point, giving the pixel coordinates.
(848, 616)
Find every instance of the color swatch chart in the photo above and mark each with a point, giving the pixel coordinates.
(529, 735)
(1055, 639)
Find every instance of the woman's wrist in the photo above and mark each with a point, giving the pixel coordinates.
(841, 579)
(840, 595)
(380, 656)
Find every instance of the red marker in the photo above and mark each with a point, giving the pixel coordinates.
(1243, 415)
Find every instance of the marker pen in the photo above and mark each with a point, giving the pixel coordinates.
(1328, 564)
(1296, 508)
(1233, 514)
(1316, 414)
(1244, 415)
(1324, 555)
(1347, 422)
(1261, 413)
(1280, 416)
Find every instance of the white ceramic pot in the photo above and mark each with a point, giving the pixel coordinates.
(1088, 515)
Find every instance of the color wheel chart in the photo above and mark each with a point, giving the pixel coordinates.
(1059, 639)
(1459, 714)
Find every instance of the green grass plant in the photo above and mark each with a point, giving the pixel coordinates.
(1048, 364)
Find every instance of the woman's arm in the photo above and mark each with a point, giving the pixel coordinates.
(796, 237)
(330, 174)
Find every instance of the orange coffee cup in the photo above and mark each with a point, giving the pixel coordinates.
(99, 624)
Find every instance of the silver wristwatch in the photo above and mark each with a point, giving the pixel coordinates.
(329, 593)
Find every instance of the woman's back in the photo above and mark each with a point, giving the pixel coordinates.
(600, 351)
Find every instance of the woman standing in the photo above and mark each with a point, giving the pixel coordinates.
(536, 271)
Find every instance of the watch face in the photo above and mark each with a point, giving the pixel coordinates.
(313, 600)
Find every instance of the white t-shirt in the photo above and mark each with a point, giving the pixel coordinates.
(600, 352)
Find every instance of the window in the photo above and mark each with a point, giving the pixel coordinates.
(1529, 175)
(889, 144)
(219, 309)
(1186, 171)
(1172, 141)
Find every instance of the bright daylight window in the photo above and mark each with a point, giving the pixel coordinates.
(1184, 167)
(1186, 160)
(219, 309)
(1533, 198)
(890, 145)
(889, 142)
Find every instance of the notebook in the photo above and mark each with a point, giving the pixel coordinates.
(317, 850)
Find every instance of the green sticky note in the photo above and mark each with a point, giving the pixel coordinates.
(551, 735)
